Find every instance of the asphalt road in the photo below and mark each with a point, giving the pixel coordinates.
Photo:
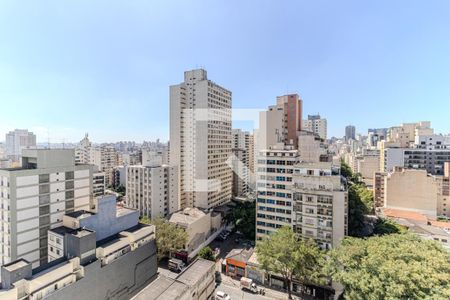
(236, 293)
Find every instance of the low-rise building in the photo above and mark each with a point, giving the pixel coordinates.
(236, 262)
(196, 282)
(106, 219)
(201, 227)
(114, 268)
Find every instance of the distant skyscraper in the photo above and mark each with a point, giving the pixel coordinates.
(350, 132)
(16, 141)
(317, 125)
(200, 140)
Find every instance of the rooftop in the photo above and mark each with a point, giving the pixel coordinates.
(18, 264)
(242, 255)
(187, 216)
(195, 271)
(163, 288)
(80, 214)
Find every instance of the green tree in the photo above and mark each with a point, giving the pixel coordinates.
(360, 201)
(121, 190)
(206, 253)
(169, 237)
(386, 226)
(283, 253)
(243, 216)
(396, 266)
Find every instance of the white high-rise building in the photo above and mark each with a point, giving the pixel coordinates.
(83, 151)
(201, 140)
(35, 196)
(241, 161)
(317, 125)
(274, 207)
(18, 140)
(153, 190)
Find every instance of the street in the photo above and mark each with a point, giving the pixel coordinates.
(236, 293)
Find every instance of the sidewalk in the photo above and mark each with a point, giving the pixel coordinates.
(270, 293)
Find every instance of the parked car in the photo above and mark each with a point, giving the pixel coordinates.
(222, 296)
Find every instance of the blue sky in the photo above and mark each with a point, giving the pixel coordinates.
(104, 67)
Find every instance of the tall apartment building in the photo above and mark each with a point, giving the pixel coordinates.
(320, 209)
(83, 151)
(18, 140)
(201, 140)
(34, 198)
(350, 132)
(251, 157)
(280, 123)
(241, 161)
(105, 158)
(152, 190)
(413, 190)
(274, 207)
(317, 125)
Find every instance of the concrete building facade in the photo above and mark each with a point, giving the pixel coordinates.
(350, 132)
(201, 140)
(281, 122)
(317, 125)
(115, 269)
(16, 141)
(274, 207)
(412, 190)
(153, 191)
(34, 199)
(320, 204)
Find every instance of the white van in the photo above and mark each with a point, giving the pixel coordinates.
(222, 296)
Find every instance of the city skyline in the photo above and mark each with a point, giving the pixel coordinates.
(113, 70)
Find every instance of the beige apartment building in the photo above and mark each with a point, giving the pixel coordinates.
(317, 125)
(201, 140)
(406, 133)
(106, 159)
(312, 148)
(201, 227)
(412, 190)
(152, 190)
(281, 122)
(320, 203)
